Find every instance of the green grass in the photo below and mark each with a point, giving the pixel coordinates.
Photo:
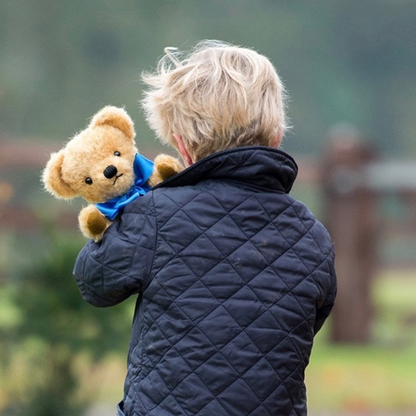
(378, 377)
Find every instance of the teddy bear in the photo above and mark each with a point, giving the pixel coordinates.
(102, 165)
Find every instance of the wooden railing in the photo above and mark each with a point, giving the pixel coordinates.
(349, 177)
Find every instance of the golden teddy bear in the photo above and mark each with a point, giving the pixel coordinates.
(102, 165)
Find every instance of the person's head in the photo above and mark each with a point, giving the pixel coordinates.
(218, 97)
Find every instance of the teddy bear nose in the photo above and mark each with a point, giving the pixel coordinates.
(110, 172)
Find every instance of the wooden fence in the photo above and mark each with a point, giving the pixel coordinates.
(354, 182)
(351, 180)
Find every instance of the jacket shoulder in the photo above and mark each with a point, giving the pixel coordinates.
(313, 227)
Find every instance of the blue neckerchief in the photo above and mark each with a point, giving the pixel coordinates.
(143, 168)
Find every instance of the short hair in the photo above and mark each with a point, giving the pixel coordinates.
(219, 96)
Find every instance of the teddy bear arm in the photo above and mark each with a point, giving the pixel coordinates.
(165, 167)
(92, 223)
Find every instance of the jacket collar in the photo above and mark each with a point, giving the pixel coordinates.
(259, 166)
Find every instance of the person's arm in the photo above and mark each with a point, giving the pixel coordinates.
(324, 309)
(110, 271)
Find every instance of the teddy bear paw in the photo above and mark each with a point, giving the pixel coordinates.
(92, 223)
(165, 167)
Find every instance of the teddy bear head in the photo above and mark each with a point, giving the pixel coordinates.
(97, 164)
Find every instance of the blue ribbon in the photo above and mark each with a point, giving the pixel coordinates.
(143, 168)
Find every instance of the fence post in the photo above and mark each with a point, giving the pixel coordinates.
(350, 215)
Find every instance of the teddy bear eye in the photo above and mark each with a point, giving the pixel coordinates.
(88, 181)
(117, 153)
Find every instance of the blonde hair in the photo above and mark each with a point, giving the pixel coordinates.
(218, 97)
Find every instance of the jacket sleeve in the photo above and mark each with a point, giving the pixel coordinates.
(324, 309)
(110, 271)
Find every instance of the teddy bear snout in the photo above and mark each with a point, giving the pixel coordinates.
(110, 171)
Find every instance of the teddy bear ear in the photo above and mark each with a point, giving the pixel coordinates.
(52, 178)
(116, 117)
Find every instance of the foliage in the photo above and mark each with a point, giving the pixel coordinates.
(76, 366)
(52, 327)
(342, 62)
(377, 378)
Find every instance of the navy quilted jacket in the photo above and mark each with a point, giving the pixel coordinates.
(234, 278)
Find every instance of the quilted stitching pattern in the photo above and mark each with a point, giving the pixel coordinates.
(261, 287)
(229, 303)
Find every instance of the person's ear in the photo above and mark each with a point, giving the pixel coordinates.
(183, 150)
(277, 140)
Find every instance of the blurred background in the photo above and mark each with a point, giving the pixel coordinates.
(350, 70)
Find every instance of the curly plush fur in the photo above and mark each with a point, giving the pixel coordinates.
(78, 168)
